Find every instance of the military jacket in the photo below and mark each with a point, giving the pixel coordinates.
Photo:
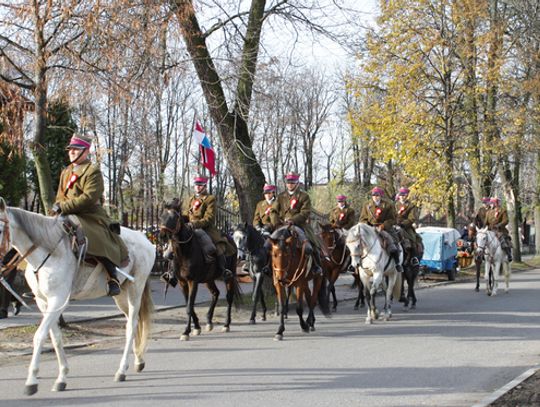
(80, 192)
(343, 218)
(383, 214)
(480, 218)
(266, 214)
(201, 213)
(406, 217)
(295, 207)
(497, 219)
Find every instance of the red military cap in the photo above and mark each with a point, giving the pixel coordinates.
(200, 180)
(403, 191)
(269, 188)
(485, 199)
(377, 191)
(292, 178)
(79, 142)
(494, 200)
(341, 198)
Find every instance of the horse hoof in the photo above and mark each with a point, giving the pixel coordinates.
(197, 332)
(477, 289)
(305, 330)
(312, 329)
(405, 308)
(263, 318)
(278, 337)
(139, 367)
(209, 327)
(120, 377)
(184, 337)
(413, 306)
(356, 308)
(30, 389)
(251, 322)
(369, 321)
(61, 386)
(225, 329)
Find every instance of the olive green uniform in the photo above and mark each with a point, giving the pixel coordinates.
(480, 218)
(80, 193)
(407, 216)
(376, 215)
(497, 219)
(343, 218)
(201, 212)
(266, 215)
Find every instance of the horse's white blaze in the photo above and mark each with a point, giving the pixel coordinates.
(57, 281)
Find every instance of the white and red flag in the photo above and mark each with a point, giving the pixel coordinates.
(207, 152)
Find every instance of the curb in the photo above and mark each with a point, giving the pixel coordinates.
(486, 401)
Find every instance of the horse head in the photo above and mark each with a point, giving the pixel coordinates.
(283, 244)
(240, 237)
(330, 236)
(171, 221)
(482, 240)
(355, 245)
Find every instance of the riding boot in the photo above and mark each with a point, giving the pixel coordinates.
(316, 268)
(395, 256)
(508, 251)
(113, 284)
(222, 267)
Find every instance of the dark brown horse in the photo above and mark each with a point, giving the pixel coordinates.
(192, 267)
(291, 268)
(470, 242)
(337, 261)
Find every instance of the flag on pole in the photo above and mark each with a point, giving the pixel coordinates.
(207, 152)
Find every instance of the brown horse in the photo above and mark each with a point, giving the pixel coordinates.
(470, 240)
(291, 268)
(337, 261)
(191, 268)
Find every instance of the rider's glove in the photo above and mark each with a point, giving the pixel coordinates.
(55, 210)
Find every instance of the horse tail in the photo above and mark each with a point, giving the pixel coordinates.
(324, 299)
(237, 291)
(144, 326)
(396, 290)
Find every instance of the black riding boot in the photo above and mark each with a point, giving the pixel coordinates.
(316, 268)
(395, 256)
(508, 251)
(222, 266)
(113, 284)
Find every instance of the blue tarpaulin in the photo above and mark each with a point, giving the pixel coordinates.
(440, 247)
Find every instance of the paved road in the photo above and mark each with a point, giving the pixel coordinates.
(458, 347)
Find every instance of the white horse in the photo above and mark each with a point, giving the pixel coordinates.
(373, 264)
(488, 244)
(55, 278)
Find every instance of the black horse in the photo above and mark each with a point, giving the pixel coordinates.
(250, 244)
(192, 267)
(412, 253)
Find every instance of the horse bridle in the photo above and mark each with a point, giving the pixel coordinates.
(4, 248)
(333, 247)
(298, 272)
(174, 232)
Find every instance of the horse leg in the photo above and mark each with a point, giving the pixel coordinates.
(263, 302)
(507, 273)
(392, 280)
(411, 295)
(370, 305)
(63, 369)
(280, 296)
(214, 291)
(190, 310)
(257, 293)
(300, 292)
(478, 266)
(496, 272)
(51, 312)
(230, 286)
(332, 286)
(360, 299)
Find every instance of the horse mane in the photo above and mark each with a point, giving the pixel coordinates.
(41, 229)
(361, 230)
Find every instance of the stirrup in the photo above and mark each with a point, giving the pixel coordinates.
(114, 287)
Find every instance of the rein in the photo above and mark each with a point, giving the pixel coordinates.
(298, 273)
(4, 246)
(333, 247)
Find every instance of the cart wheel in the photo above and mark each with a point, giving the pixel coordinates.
(452, 273)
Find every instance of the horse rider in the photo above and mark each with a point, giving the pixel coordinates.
(480, 218)
(294, 208)
(406, 219)
(342, 216)
(496, 220)
(200, 209)
(381, 214)
(80, 193)
(266, 217)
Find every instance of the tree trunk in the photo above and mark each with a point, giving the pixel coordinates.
(38, 147)
(232, 126)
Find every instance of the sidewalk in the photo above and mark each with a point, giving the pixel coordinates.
(105, 307)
